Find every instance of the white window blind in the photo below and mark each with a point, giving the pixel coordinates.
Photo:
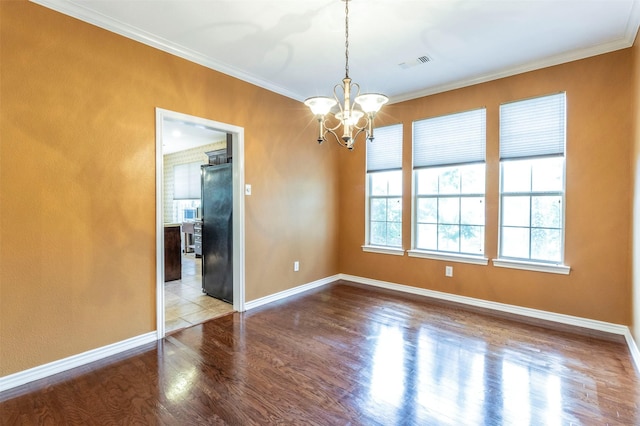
(450, 139)
(533, 127)
(186, 181)
(385, 151)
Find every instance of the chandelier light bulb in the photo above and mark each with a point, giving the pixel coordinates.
(352, 118)
(371, 102)
(320, 105)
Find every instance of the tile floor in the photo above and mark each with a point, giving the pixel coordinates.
(184, 302)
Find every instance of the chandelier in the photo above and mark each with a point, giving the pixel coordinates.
(353, 120)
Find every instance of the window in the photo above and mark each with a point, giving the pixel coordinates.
(384, 188)
(186, 181)
(449, 183)
(532, 180)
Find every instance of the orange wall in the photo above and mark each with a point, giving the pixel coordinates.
(598, 200)
(77, 183)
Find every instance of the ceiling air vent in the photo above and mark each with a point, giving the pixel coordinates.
(414, 62)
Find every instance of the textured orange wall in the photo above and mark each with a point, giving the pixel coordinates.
(598, 201)
(77, 183)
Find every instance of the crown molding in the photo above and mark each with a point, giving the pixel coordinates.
(564, 58)
(78, 11)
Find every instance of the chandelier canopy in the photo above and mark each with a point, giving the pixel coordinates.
(354, 118)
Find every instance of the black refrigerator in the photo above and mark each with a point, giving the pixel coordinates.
(217, 231)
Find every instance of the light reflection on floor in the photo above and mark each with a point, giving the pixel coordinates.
(447, 382)
(387, 377)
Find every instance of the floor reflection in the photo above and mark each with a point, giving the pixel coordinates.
(530, 396)
(450, 378)
(388, 370)
(428, 376)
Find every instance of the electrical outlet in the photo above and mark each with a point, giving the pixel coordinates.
(296, 266)
(448, 271)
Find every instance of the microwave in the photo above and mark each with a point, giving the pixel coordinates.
(189, 214)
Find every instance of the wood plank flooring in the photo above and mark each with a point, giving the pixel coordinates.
(347, 355)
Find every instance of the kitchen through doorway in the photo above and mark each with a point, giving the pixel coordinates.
(180, 138)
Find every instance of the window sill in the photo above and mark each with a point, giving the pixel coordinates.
(532, 266)
(383, 250)
(462, 258)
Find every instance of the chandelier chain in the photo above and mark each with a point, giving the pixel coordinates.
(346, 37)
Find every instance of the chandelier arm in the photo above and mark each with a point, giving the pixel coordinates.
(360, 130)
(327, 128)
(357, 86)
(340, 141)
(335, 96)
(337, 138)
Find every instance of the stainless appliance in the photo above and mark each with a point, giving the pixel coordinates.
(217, 231)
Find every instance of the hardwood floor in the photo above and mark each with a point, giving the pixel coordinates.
(347, 355)
(185, 303)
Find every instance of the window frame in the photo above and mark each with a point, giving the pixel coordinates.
(462, 257)
(532, 264)
(529, 263)
(369, 201)
(459, 197)
(368, 246)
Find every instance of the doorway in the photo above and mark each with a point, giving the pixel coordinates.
(236, 138)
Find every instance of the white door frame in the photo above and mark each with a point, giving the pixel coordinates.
(238, 209)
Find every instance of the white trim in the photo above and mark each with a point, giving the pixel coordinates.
(575, 55)
(587, 323)
(237, 135)
(237, 147)
(83, 13)
(290, 292)
(55, 367)
(40, 372)
(79, 11)
(159, 224)
(383, 250)
(633, 349)
(475, 260)
(532, 266)
(496, 306)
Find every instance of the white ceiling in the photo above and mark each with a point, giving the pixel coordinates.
(296, 47)
(180, 136)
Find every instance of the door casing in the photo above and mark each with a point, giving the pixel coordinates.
(237, 138)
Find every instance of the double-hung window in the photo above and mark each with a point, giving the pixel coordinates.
(384, 189)
(449, 185)
(532, 183)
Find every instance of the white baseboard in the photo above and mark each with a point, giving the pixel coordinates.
(291, 292)
(512, 309)
(42, 371)
(633, 348)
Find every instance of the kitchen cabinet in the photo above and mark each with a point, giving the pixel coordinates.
(172, 253)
